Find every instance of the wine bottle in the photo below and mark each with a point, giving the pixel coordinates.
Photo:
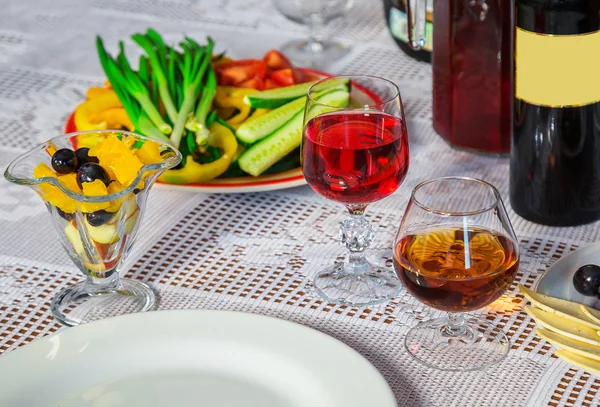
(555, 150)
(396, 18)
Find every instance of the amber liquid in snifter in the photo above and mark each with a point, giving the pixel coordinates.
(456, 269)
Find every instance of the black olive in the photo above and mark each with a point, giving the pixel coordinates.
(89, 172)
(587, 280)
(83, 157)
(63, 214)
(64, 161)
(98, 218)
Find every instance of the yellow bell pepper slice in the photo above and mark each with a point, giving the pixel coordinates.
(103, 112)
(228, 97)
(220, 137)
(114, 117)
(93, 93)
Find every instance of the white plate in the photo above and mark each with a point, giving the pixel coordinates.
(558, 279)
(190, 358)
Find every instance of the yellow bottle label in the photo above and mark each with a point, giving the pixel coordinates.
(557, 70)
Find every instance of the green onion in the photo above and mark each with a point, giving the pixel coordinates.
(157, 69)
(179, 78)
(140, 120)
(196, 60)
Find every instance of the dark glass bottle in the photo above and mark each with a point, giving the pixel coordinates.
(395, 17)
(472, 74)
(555, 152)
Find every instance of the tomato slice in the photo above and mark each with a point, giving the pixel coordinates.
(301, 76)
(275, 60)
(271, 84)
(235, 72)
(255, 83)
(284, 77)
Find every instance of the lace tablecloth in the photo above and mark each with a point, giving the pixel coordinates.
(256, 252)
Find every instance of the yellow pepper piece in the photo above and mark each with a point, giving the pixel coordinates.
(231, 96)
(104, 111)
(241, 116)
(51, 193)
(128, 141)
(220, 137)
(126, 167)
(93, 93)
(94, 188)
(116, 157)
(115, 118)
(115, 204)
(114, 187)
(42, 170)
(149, 153)
(70, 181)
(51, 149)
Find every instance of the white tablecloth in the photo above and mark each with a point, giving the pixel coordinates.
(256, 252)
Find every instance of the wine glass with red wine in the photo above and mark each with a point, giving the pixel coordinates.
(456, 251)
(355, 155)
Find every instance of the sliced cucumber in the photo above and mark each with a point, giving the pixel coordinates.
(254, 129)
(329, 102)
(273, 98)
(262, 155)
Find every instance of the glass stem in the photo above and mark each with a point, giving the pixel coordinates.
(356, 235)
(315, 25)
(457, 325)
(97, 285)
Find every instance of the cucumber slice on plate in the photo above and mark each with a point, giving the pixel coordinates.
(254, 129)
(273, 98)
(262, 155)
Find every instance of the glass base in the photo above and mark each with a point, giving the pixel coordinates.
(75, 305)
(314, 54)
(375, 286)
(478, 346)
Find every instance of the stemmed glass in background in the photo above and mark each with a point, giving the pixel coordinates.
(355, 156)
(456, 251)
(315, 51)
(96, 231)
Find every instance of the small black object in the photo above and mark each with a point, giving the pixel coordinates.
(586, 280)
(136, 191)
(89, 172)
(84, 157)
(64, 161)
(63, 214)
(98, 218)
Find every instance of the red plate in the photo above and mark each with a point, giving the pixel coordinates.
(282, 180)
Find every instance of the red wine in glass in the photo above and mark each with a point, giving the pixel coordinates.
(355, 153)
(355, 157)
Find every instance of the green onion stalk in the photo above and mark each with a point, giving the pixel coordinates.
(130, 97)
(196, 61)
(198, 123)
(157, 56)
(170, 96)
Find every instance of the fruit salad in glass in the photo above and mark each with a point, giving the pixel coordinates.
(95, 186)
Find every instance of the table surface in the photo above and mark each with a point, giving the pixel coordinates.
(257, 252)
